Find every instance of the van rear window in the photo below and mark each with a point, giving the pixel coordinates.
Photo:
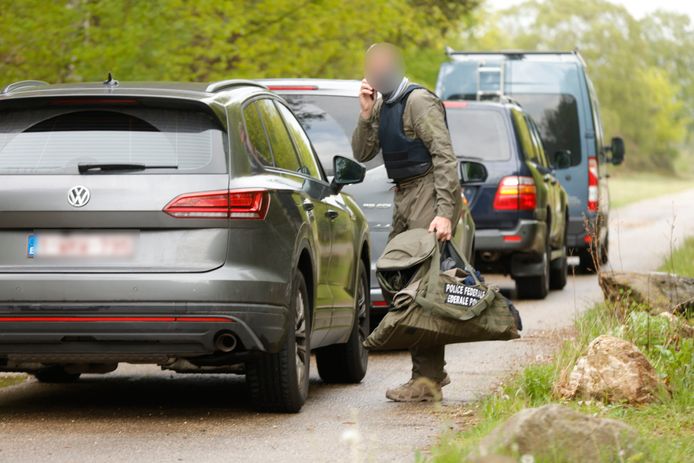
(556, 116)
(57, 140)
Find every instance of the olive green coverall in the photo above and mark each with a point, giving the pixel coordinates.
(419, 200)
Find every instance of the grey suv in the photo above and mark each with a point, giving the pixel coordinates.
(185, 225)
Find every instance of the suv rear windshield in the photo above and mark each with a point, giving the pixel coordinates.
(57, 140)
(329, 122)
(479, 133)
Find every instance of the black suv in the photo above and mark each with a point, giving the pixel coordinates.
(519, 207)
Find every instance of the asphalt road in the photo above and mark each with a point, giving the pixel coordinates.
(140, 413)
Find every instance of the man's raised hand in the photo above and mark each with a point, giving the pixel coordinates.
(367, 98)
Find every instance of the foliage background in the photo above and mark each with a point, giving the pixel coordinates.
(643, 69)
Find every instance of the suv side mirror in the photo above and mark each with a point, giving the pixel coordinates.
(472, 172)
(346, 172)
(561, 159)
(617, 150)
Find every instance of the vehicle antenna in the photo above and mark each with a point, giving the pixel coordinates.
(110, 81)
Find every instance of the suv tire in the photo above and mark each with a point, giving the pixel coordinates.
(605, 250)
(559, 268)
(55, 375)
(536, 287)
(586, 263)
(279, 382)
(347, 363)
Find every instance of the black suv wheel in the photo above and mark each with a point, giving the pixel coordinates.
(559, 268)
(279, 382)
(536, 287)
(347, 363)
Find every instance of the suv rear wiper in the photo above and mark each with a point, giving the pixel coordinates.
(85, 168)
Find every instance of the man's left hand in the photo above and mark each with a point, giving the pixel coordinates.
(442, 227)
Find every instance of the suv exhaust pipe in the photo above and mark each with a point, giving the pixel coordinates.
(225, 342)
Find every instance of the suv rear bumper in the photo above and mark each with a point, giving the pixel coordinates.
(123, 332)
(527, 236)
(128, 315)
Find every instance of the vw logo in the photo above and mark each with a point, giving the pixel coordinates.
(78, 196)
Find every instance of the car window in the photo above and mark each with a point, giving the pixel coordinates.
(329, 122)
(479, 133)
(301, 141)
(537, 143)
(254, 136)
(556, 117)
(56, 140)
(523, 135)
(282, 148)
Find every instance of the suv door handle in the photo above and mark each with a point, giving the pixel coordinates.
(332, 214)
(308, 205)
(547, 178)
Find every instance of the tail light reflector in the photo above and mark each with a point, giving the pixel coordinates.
(226, 204)
(516, 193)
(593, 193)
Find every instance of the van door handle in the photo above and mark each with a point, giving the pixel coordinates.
(308, 205)
(332, 214)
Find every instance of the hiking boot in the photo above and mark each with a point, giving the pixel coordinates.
(445, 381)
(416, 390)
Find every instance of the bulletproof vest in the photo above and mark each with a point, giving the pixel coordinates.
(403, 157)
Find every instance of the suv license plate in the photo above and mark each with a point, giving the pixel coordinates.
(81, 245)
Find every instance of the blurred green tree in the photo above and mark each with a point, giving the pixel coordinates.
(641, 69)
(81, 40)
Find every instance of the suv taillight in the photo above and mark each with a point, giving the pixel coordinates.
(516, 194)
(226, 204)
(593, 193)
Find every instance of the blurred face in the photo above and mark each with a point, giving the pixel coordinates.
(383, 68)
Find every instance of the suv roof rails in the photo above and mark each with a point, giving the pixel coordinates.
(450, 51)
(215, 87)
(22, 84)
(515, 54)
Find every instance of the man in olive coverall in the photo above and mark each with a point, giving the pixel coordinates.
(408, 124)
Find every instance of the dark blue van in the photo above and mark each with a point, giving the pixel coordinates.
(554, 88)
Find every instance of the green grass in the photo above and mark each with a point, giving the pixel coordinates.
(629, 188)
(666, 426)
(681, 261)
(11, 380)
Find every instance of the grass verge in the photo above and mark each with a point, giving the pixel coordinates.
(667, 425)
(629, 188)
(681, 261)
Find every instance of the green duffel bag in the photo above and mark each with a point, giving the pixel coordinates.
(437, 307)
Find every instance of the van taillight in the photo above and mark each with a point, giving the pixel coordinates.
(516, 194)
(225, 204)
(593, 193)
